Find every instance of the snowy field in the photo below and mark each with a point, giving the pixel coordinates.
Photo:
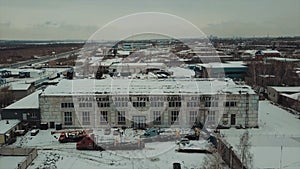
(52, 154)
(277, 128)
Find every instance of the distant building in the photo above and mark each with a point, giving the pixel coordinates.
(261, 54)
(233, 70)
(275, 91)
(149, 103)
(286, 96)
(21, 89)
(135, 68)
(290, 100)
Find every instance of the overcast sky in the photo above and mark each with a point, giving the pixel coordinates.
(79, 19)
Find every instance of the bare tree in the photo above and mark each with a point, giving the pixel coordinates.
(244, 150)
(214, 160)
(6, 97)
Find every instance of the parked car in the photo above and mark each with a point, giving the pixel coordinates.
(34, 132)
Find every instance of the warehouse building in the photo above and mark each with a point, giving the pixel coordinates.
(140, 103)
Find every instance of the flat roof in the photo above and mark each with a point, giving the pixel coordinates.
(29, 102)
(19, 86)
(6, 127)
(295, 89)
(129, 86)
(223, 65)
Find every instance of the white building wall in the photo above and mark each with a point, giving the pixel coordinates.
(51, 111)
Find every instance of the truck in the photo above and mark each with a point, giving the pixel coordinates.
(71, 135)
(89, 143)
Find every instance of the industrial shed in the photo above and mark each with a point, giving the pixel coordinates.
(7, 129)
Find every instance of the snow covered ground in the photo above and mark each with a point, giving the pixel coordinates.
(277, 128)
(52, 154)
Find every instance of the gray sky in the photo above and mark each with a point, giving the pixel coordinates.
(79, 19)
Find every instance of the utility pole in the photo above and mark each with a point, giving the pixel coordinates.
(280, 157)
(247, 110)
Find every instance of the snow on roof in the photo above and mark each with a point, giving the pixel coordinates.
(146, 86)
(295, 89)
(19, 86)
(283, 59)
(251, 52)
(11, 162)
(265, 76)
(270, 51)
(29, 102)
(123, 52)
(182, 72)
(223, 65)
(6, 127)
(295, 96)
(140, 64)
(109, 62)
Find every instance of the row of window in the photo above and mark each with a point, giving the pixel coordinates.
(156, 117)
(67, 105)
(153, 104)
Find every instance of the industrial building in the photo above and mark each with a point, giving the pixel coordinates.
(233, 70)
(7, 130)
(144, 102)
(26, 110)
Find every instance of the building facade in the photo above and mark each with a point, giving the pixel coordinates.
(149, 103)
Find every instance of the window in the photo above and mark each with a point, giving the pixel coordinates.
(121, 104)
(85, 105)
(174, 116)
(193, 104)
(103, 117)
(193, 116)
(207, 104)
(86, 118)
(211, 116)
(230, 104)
(33, 115)
(66, 105)
(211, 104)
(121, 117)
(68, 118)
(156, 118)
(103, 104)
(174, 104)
(214, 104)
(139, 104)
(157, 104)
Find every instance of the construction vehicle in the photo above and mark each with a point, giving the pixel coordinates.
(158, 135)
(90, 143)
(71, 135)
(194, 135)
